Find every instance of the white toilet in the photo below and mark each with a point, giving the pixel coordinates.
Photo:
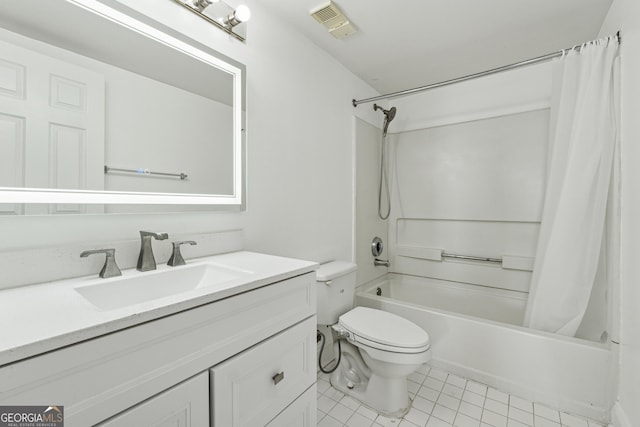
(381, 349)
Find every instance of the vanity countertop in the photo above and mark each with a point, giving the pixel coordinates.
(39, 318)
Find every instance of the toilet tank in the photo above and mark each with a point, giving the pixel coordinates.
(336, 283)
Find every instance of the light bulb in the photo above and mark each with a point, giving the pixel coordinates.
(242, 13)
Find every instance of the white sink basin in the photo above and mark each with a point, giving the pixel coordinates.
(137, 287)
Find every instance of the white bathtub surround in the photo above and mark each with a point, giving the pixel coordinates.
(442, 399)
(367, 225)
(559, 371)
(582, 147)
(469, 171)
(469, 177)
(498, 305)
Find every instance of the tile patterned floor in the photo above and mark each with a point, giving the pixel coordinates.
(441, 399)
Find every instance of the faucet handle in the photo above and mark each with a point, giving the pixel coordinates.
(176, 256)
(110, 268)
(157, 236)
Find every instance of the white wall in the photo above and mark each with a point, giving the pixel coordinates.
(299, 133)
(299, 154)
(624, 15)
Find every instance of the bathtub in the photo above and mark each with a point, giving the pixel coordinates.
(475, 332)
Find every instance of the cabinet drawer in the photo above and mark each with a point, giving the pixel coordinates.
(301, 413)
(250, 389)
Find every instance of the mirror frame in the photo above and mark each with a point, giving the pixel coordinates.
(174, 40)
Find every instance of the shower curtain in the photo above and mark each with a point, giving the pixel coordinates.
(583, 135)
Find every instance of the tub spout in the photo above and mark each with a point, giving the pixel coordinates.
(381, 262)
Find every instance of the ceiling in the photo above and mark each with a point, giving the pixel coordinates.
(403, 44)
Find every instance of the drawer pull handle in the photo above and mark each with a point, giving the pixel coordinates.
(278, 377)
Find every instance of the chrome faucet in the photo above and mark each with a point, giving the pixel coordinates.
(110, 268)
(381, 262)
(146, 261)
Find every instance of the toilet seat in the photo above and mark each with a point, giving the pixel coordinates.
(384, 331)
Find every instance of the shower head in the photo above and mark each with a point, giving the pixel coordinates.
(390, 113)
(388, 116)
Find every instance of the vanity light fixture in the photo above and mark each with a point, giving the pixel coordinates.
(240, 15)
(217, 12)
(201, 5)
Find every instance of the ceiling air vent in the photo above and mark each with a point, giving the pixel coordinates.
(343, 30)
(333, 20)
(326, 13)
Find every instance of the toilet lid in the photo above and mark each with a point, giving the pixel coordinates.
(377, 326)
(334, 269)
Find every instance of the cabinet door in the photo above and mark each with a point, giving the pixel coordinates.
(185, 405)
(301, 413)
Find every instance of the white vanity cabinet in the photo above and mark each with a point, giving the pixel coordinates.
(247, 359)
(301, 413)
(184, 405)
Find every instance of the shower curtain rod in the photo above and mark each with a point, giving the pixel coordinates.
(531, 61)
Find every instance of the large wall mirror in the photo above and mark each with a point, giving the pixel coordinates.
(99, 107)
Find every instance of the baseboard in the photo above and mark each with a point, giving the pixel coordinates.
(619, 417)
(525, 391)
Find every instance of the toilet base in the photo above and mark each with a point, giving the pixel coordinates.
(376, 400)
(386, 396)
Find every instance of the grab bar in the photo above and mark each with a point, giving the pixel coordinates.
(507, 261)
(472, 258)
(141, 171)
